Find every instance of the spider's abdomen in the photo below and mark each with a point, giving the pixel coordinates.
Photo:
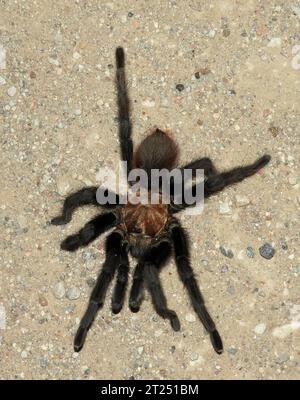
(157, 151)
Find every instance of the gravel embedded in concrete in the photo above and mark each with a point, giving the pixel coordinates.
(267, 251)
(238, 64)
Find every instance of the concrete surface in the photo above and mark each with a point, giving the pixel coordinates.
(57, 116)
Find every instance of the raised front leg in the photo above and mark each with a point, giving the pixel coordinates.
(125, 126)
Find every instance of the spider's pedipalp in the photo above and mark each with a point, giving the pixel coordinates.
(90, 231)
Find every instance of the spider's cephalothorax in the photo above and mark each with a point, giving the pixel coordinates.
(143, 225)
(151, 232)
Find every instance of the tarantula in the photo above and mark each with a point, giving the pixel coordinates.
(151, 233)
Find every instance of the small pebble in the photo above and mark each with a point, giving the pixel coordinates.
(211, 34)
(274, 131)
(61, 125)
(282, 358)
(260, 328)
(295, 269)
(59, 290)
(91, 282)
(293, 180)
(230, 289)
(140, 350)
(73, 293)
(76, 55)
(63, 185)
(226, 252)
(250, 252)
(24, 354)
(2, 317)
(158, 333)
(43, 362)
(275, 42)
(190, 318)
(241, 200)
(53, 61)
(88, 255)
(224, 269)
(179, 87)
(148, 103)
(2, 80)
(267, 251)
(232, 350)
(12, 91)
(43, 301)
(224, 209)
(70, 309)
(194, 356)
(296, 10)
(226, 32)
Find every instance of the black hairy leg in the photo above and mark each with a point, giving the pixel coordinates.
(158, 297)
(149, 231)
(90, 231)
(83, 197)
(115, 257)
(186, 274)
(137, 288)
(152, 262)
(157, 254)
(215, 183)
(125, 126)
(204, 163)
(218, 182)
(121, 284)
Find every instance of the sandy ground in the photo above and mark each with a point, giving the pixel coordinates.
(58, 128)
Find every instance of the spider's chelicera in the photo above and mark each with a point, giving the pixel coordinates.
(150, 232)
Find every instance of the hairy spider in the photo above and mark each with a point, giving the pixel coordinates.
(150, 232)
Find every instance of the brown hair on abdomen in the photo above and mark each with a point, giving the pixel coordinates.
(157, 151)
